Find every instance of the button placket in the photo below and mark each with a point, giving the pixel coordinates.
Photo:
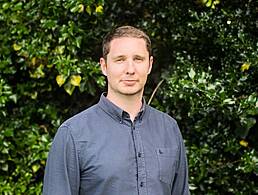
(139, 155)
(141, 164)
(136, 146)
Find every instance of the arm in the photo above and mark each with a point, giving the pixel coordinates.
(62, 175)
(180, 184)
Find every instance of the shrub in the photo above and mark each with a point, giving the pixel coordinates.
(206, 66)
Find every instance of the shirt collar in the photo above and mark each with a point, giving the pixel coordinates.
(116, 112)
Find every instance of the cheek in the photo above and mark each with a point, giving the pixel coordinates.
(114, 72)
(143, 72)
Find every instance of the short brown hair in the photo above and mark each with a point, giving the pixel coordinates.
(124, 31)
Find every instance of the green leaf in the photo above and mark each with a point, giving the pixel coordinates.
(228, 101)
(69, 88)
(192, 73)
(35, 167)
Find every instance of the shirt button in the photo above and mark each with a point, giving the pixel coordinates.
(141, 184)
(139, 154)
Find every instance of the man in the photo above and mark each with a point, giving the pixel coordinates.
(120, 146)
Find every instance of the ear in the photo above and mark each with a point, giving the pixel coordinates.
(103, 66)
(150, 65)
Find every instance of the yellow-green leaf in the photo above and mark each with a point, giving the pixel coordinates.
(243, 143)
(209, 3)
(99, 9)
(81, 8)
(50, 65)
(34, 95)
(245, 66)
(75, 80)
(88, 10)
(35, 168)
(60, 79)
(16, 47)
(43, 162)
(60, 49)
(69, 88)
(33, 61)
(6, 6)
(38, 73)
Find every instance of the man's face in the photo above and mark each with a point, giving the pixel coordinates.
(127, 66)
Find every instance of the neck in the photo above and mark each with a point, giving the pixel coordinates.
(130, 103)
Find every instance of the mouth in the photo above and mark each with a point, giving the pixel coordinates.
(129, 82)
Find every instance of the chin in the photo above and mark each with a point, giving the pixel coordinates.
(131, 92)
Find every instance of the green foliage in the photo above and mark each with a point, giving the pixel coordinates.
(211, 89)
(41, 41)
(215, 122)
(206, 52)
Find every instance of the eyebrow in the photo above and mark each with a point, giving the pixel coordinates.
(123, 57)
(139, 56)
(119, 56)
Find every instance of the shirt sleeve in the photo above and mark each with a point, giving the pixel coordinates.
(62, 175)
(180, 184)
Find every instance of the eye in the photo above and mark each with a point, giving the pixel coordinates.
(119, 60)
(138, 59)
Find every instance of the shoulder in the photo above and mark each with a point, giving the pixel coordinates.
(82, 116)
(159, 115)
(165, 122)
(78, 124)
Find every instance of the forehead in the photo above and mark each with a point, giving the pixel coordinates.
(128, 45)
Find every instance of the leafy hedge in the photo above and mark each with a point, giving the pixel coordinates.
(205, 71)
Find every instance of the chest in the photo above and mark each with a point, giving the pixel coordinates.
(125, 154)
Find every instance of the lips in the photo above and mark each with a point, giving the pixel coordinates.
(129, 82)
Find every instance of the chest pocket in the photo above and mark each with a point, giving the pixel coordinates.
(167, 158)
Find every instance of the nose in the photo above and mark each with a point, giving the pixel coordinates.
(130, 67)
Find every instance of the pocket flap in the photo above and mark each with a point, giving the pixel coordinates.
(169, 152)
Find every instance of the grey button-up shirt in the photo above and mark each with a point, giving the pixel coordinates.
(100, 151)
